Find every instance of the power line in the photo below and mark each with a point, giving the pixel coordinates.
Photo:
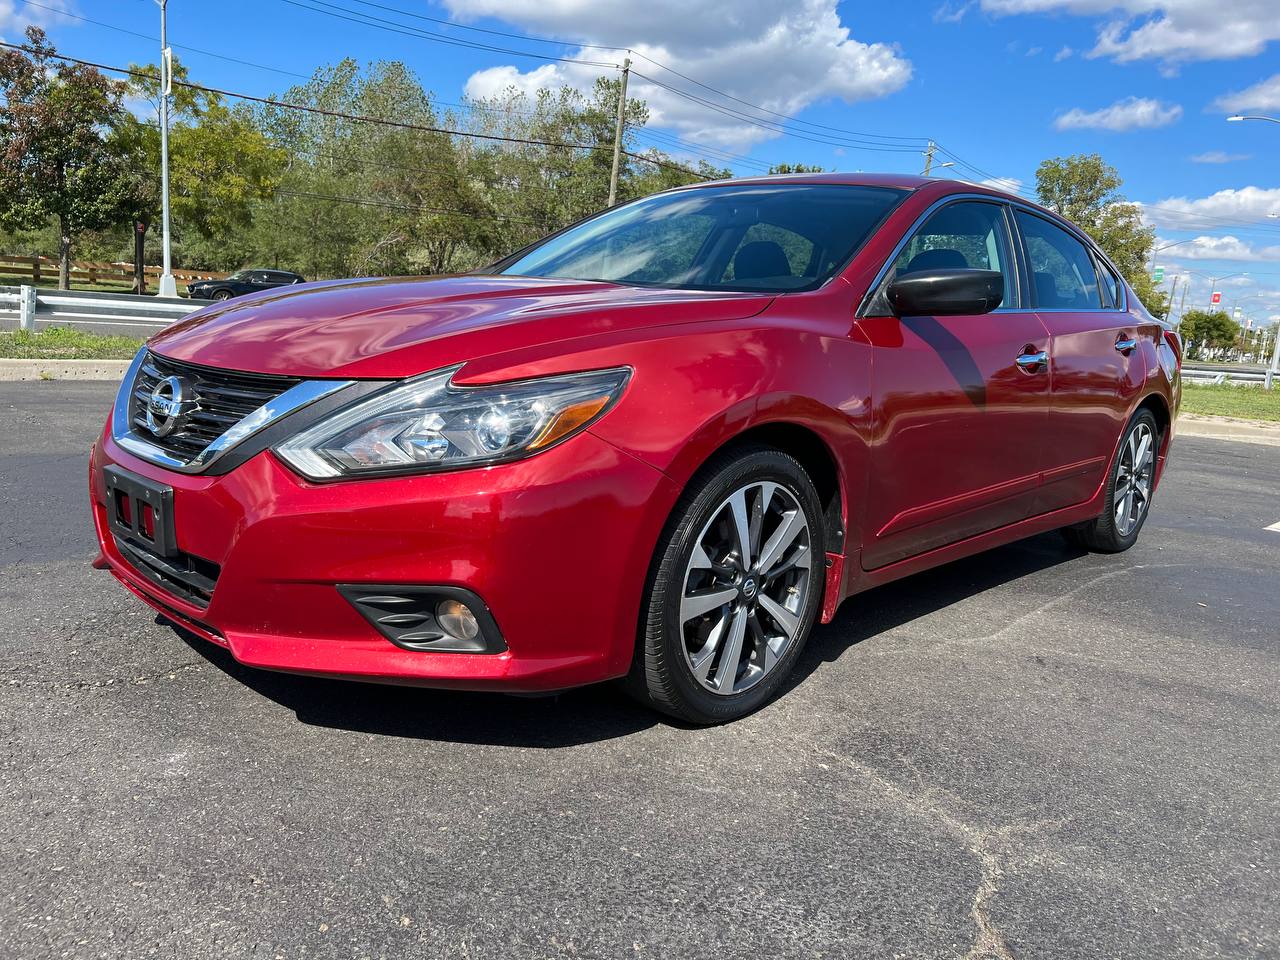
(396, 205)
(153, 39)
(644, 56)
(340, 115)
(379, 23)
(494, 33)
(771, 126)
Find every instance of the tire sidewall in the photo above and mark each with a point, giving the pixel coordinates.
(762, 465)
(1109, 515)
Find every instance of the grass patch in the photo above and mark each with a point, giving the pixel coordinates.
(1224, 400)
(60, 343)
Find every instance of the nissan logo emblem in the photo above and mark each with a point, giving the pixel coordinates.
(168, 406)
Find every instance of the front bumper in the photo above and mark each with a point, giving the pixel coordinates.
(557, 547)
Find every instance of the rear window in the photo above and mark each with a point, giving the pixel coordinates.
(768, 237)
(1062, 274)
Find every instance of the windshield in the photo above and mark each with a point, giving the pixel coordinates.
(766, 237)
(239, 275)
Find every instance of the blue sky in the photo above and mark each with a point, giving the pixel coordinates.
(1002, 84)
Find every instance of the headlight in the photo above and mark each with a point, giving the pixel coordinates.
(428, 424)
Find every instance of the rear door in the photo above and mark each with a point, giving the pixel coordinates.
(960, 422)
(1095, 371)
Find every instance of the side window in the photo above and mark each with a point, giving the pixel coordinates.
(965, 234)
(1062, 274)
(1111, 296)
(768, 251)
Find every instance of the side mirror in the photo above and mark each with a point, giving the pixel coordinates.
(946, 292)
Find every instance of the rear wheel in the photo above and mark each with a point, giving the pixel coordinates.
(1129, 491)
(734, 590)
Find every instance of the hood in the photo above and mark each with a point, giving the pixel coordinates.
(398, 327)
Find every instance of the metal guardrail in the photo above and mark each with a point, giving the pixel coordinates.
(84, 307)
(1213, 373)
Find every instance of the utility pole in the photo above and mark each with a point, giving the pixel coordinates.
(168, 286)
(1173, 295)
(928, 158)
(1182, 307)
(617, 132)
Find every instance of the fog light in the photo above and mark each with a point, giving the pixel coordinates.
(457, 620)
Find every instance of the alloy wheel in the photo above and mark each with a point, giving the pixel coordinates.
(1134, 478)
(745, 587)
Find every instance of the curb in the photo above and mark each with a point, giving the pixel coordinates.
(14, 370)
(1227, 428)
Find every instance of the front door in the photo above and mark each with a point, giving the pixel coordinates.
(961, 402)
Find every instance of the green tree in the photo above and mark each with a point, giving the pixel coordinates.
(56, 159)
(220, 163)
(1208, 330)
(1085, 189)
(795, 168)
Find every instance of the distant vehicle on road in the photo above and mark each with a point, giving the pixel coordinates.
(243, 281)
(659, 445)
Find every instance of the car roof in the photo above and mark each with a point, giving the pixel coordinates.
(901, 181)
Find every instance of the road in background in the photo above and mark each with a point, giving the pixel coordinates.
(1033, 753)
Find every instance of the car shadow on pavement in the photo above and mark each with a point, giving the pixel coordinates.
(603, 711)
(585, 715)
(882, 609)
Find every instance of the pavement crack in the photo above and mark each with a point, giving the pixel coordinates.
(17, 679)
(989, 941)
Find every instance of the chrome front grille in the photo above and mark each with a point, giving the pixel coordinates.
(222, 399)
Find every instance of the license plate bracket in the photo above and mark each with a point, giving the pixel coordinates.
(141, 511)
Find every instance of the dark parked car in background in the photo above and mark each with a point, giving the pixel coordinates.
(243, 281)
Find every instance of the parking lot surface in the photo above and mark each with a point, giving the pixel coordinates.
(1033, 753)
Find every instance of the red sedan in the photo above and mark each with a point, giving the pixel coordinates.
(658, 445)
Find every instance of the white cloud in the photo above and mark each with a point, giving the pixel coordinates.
(1245, 206)
(18, 20)
(1264, 95)
(1133, 113)
(495, 80)
(1219, 156)
(1062, 54)
(952, 12)
(1169, 30)
(1225, 247)
(1007, 184)
(781, 54)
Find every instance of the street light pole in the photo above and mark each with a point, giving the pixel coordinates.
(1238, 118)
(928, 160)
(168, 286)
(1213, 285)
(1274, 370)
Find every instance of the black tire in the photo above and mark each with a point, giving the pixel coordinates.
(222, 295)
(1102, 534)
(662, 675)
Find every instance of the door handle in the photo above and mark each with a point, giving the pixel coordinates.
(1029, 361)
(1125, 343)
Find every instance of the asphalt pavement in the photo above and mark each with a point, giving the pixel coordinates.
(1033, 753)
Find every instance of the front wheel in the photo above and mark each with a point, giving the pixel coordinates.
(734, 590)
(222, 295)
(1129, 491)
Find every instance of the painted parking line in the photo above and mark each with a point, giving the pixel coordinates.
(1275, 527)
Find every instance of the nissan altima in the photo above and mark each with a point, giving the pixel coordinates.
(660, 445)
